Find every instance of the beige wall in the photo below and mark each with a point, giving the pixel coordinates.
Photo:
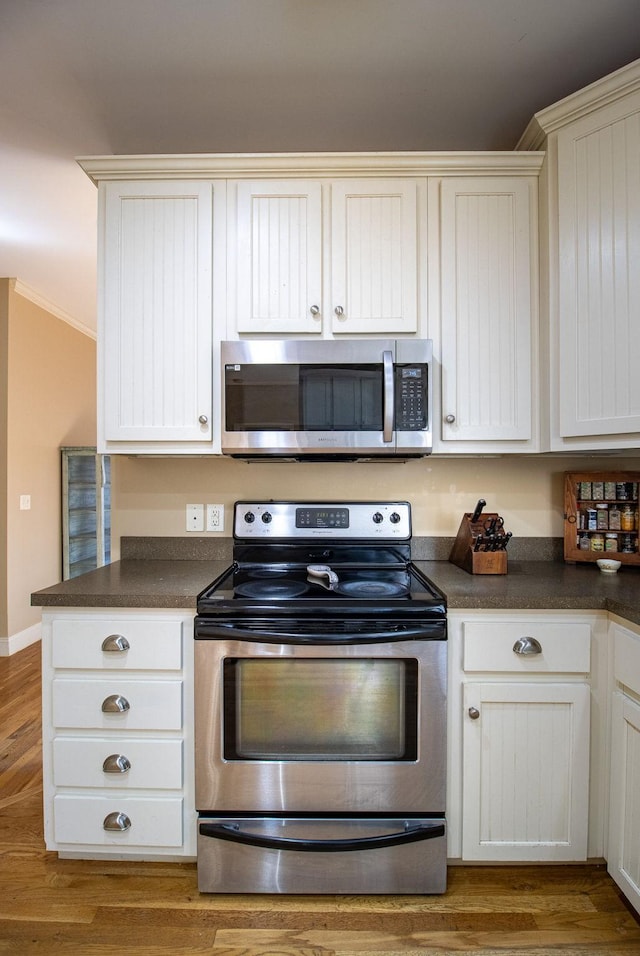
(150, 494)
(49, 389)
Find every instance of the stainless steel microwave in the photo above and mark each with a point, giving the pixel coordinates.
(367, 398)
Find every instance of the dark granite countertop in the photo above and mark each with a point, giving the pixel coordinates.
(175, 583)
(134, 583)
(540, 585)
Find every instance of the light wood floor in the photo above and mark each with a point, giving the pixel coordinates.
(88, 908)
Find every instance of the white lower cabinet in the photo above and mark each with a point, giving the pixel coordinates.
(118, 733)
(623, 855)
(519, 775)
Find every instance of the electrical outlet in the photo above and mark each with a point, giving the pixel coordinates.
(215, 517)
(195, 517)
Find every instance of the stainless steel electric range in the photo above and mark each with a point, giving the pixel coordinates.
(321, 659)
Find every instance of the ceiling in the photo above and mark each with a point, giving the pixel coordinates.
(90, 77)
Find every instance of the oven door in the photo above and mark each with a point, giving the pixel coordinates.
(328, 727)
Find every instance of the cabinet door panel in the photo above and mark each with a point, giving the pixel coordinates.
(599, 281)
(374, 256)
(526, 771)
(279, 256)
(157, 323)
(624, 817)
(486, 309)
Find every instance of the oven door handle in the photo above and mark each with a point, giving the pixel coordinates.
(434, 630)
(411, 834)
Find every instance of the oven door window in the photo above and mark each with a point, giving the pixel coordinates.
(320, 709)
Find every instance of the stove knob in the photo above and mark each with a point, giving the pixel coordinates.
(266, 517)
(377, 518)
(249, 517)
(395, 518)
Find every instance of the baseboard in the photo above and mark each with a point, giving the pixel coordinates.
(16, 642)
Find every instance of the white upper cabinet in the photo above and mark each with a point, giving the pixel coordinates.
(314, 257)
(488, 312)
(278, 257)
(156, 331)
(374, 251)
(598, 274)
(591, 233)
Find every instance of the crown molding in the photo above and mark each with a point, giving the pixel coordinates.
(309, 165)
(21, 288)
(608, 90)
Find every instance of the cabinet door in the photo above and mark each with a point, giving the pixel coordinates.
(525, 771)
(279, 257)
(624, 818)
(599, 283)
(156, 327)
(374, 256)
(487, 261)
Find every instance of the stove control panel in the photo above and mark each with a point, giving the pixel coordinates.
(297, 520)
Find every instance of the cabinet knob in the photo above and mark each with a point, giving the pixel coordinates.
(474, 713)
(115, 704)
(339, 311)
(116, 821)
(449, 419)
(115, 643)
(315, 310)
(527, 646)
(203, 419)
(116, 763)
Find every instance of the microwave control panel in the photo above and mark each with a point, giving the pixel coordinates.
(411, 397)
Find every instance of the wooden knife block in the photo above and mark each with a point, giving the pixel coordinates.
(476, 562)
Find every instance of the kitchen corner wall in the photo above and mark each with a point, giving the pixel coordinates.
(47, 399)
(149, 495)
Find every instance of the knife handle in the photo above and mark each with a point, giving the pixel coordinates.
(476, 514)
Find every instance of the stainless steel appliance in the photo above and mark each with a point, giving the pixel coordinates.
(321, 660)
(327, 399)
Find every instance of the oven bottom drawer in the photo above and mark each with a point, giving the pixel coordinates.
(251, 854)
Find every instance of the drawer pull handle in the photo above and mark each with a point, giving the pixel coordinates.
(115, 704)
(116, 763)
(115, 642)
(474, 713)
(116, 821)
(527, 646)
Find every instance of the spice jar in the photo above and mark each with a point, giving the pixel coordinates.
(611, 542)
(627, 518)
(627, 544)
(597, 542)
(602, 516)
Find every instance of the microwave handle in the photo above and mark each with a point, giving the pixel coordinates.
(388, 393)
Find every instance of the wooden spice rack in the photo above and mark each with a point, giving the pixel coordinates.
(463, 553)
(608, 501)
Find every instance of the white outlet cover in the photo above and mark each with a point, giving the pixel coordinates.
(215, 518)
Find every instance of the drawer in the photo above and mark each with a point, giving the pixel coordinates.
(147, 764)
(154, 821)
(152, 645)
(153, 704)
(489, 646)
(626, 658)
